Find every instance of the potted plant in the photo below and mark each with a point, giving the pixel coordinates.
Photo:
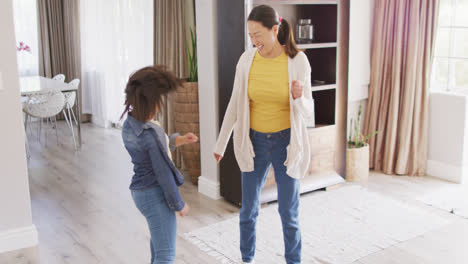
(357, 153)
(187, 113)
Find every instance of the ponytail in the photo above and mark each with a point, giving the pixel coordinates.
(286, 38)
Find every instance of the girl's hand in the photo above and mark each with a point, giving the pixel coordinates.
(296, 89)
(190, 138)
(184, 211)
(217, 157)
(186, 139)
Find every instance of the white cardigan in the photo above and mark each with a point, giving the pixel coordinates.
(237, 117)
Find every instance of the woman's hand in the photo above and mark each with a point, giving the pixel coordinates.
(184, 211)
(296, 89)
(217, 157)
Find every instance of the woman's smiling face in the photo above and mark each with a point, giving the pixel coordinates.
(262, 37)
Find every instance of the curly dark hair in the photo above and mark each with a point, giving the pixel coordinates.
(146, 89)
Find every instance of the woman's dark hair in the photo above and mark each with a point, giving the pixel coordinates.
(269, 17)
(146, 89)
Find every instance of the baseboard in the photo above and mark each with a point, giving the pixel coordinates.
(18, 238)
(28, 255)
(209, 188)
(447, 171)
(99, 121)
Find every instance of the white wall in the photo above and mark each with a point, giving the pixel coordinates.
(448, 136)
(360, 36)
(16, 228)
(207, 51)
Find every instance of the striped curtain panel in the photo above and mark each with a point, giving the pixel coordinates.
(401, 58)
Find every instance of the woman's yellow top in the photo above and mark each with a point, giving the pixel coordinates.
(269, 94)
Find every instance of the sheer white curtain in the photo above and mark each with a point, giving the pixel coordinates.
(116, 40)
(25, 17)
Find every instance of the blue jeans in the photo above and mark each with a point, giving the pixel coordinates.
(270, 149)
(161, 221)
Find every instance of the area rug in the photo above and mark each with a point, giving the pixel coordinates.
(338, 226)
(451, 199)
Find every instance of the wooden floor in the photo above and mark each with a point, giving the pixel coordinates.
(84, 213)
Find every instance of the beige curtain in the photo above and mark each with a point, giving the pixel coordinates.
(170, 49)
(59, 39)
(59, 35)
(401, 57)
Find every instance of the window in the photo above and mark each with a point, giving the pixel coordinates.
(450, 66)
(116, 40)
(25, 19)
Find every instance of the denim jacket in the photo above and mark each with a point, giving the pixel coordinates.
(146, 144)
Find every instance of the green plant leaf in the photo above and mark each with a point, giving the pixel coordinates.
(356, 133)
(189, 63)
(350, 130)
(193, 67)
(358, 140)
(370, 135)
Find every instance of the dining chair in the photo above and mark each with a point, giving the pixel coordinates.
(59, 77)
(70, 99)
(44, 105)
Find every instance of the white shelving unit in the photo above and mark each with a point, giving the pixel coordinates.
(324, 54)
(323, 87)
(296, 2)
(317, 45)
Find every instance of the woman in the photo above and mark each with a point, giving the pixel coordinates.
(155, 183)
(268, 109)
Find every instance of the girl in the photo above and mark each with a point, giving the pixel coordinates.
(155, 182)
(268, 109)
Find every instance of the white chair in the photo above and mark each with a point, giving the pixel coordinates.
(46, 104)
(70, 99)
(59, 77)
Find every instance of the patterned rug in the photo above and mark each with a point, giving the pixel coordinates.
(338, 226)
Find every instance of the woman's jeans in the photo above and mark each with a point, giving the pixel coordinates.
(161, 221)
(270, 148)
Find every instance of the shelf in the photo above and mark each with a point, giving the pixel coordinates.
(321, 127)
(323, 64)
(317, 45)
(327, 159)
(316, 88)
(295, 2)
(325, 106)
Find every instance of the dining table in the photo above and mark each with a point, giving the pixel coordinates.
(31, 85)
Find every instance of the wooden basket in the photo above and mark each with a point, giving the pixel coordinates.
(357, 163)
(187, 120)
